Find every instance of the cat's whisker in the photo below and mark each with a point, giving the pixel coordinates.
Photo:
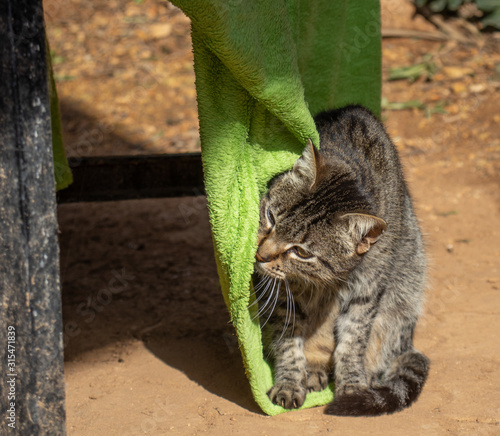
(287, 286)
(257, 288)
(264, 307)
(275, 301)
(289, 297)
(262, 283)
(265, 280)
(290, 310)
(267, 283)
(311, 293)
(287, 314)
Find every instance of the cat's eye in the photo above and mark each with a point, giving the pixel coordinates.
(270, 217)
(299, 251)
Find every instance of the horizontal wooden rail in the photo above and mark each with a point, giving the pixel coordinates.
(111, 178)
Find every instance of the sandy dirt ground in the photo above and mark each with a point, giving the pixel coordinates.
(148, 346)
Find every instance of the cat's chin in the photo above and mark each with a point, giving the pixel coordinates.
(298, 280)
(259, 269)
(262, 272)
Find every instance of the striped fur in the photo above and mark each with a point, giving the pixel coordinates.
(342, 269)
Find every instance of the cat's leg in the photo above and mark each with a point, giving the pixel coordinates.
(397, 373)
(286, 345)
(401, 371)
(289, 390)
(352, 332)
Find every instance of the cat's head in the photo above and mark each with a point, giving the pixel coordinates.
(315, 225)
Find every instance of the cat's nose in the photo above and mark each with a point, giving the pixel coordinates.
(264, 256)
(259, 258)
(268, 250)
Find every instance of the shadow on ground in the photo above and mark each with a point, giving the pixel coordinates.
(145, 270)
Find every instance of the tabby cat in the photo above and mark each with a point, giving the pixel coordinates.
(342, 272)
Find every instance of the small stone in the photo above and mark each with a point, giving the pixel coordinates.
(458, 87)
(100, 20)
(453, 109)
(132, 10)
(159, 30)
(435, 97)
(477, 87)
(146, 54)
(457, 72)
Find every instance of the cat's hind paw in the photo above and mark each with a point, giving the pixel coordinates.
(289, 396)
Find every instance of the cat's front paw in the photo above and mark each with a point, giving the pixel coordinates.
(287, 395)
(316, 380)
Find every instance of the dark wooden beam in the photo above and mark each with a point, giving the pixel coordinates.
(113, 178)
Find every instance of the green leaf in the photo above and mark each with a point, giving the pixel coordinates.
(438, 108)
(438, 5)
(56, 59)
(397, 106)
(453, 5)
(413, 72)
(492, 19)
(488, 5)
(447, 213)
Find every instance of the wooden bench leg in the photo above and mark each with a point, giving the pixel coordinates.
(31, 347)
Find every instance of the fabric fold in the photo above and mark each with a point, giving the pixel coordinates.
(263, 70)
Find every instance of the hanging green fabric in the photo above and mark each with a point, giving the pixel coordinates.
(263, 69)
(62, 172)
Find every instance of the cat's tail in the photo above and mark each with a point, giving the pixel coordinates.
(399, 389)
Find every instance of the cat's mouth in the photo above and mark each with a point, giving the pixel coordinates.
(263, 268)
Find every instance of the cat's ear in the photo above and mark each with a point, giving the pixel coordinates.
(366, 230)
(309, 164)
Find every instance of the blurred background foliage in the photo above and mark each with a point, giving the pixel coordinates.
(486, 12)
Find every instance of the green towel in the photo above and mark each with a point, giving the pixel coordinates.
(62, 172)
(263, 69)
